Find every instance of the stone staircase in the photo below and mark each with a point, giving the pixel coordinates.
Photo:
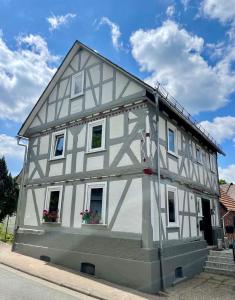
(220, 262)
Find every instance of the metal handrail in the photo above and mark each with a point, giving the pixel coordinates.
(175, 104)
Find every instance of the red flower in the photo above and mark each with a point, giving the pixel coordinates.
(45, 212)
(81, 213)
(86, 210)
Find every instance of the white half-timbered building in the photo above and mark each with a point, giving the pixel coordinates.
(101, 145)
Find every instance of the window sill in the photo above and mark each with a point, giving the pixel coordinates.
(52, 223)
(94, 151)
(56, 158)
(173, 154)
(173, 226)
(76, 96)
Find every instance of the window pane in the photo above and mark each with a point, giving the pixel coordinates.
(59, 145)
(96, 137)
(171, 206)
(171, 140)
(198, 155)
(78, 84)
(96, 204)
(54, 201)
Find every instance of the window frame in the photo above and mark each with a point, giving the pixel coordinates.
(171, 188)
(53, 140)
(199, 206)
(212, 163)
(48, 196)
(73, 95)
(95, 185)
(198, 148)
(174, 129)
(90, 126)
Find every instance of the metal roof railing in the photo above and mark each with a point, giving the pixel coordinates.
(175, 104)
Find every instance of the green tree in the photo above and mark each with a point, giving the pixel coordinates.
(222, 181)
(9, 191)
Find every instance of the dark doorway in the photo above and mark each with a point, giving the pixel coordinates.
(207, 228)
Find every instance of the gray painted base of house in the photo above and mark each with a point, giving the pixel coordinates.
(120, 261)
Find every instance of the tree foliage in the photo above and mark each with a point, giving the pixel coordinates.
(8, 191)
(222, 181)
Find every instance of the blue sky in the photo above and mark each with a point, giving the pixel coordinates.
(188, 46)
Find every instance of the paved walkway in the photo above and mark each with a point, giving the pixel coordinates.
(204, 286)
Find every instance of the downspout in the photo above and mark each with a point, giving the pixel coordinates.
(17, 220)
(159, 198)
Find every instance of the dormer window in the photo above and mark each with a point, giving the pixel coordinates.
(57, 145)
(77, 84)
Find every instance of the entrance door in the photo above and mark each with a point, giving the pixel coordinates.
(207, 228)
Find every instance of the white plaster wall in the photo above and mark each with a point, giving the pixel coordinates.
(154, 209)
(95, 163)
(44, 145)
(68, 166)
(162, 128)
(67, 202)
(115, 191)
(127, 221)
(173, 165)
(30, 217)
(79, 201)
(193, 222)
(40, 195)
(116, 126)
(79, 161)
(56, 169)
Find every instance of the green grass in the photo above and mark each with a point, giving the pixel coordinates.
(9, 236)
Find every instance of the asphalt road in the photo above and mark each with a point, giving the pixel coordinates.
(15, 285)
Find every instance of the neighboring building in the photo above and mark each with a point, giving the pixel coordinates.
(227, 204)
(93, 141)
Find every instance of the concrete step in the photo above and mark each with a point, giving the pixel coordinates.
(219, 271)
(221, 259)
(224, 253)
(223, 266)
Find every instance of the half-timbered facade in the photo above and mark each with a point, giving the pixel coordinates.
(101, 144)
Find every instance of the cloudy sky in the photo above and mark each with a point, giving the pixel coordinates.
(188, 46)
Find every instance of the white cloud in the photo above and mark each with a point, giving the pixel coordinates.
(58, 21)
(9, 147)
(174, 57)
(24, 73)
(170, 11)
(221, 128)
(227, 173)
(224, 11)
(115, 32)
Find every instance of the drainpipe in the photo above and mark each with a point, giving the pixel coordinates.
(17, 221)
(159, 198)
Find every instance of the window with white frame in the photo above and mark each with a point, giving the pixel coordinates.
(172, 206)
(52, 207)
(199, 207)
(96, 136)
(95, 203)
(172, 139)
(57, 144)
(212, 163)
(77, 88)
(198, 155)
